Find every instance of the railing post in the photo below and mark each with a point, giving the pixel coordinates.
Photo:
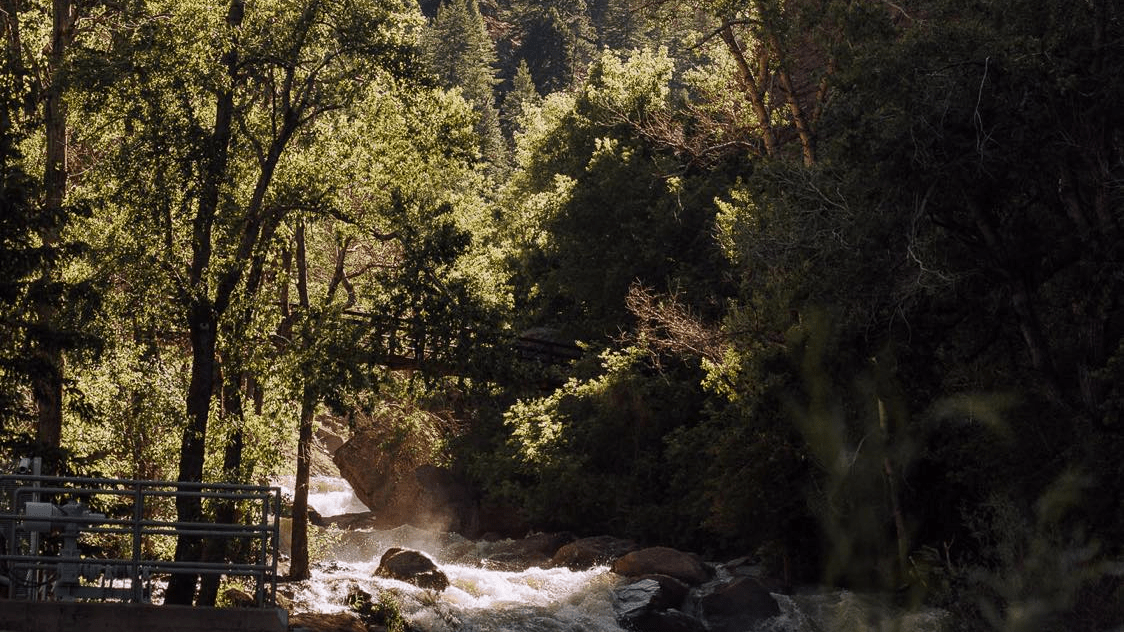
(138, 515)
(263, 526)
(275, 539)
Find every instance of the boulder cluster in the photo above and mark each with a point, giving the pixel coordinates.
(667, 590)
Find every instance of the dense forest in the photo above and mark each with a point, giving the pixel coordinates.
(837, 282)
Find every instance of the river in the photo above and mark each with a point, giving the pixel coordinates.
(533, 600)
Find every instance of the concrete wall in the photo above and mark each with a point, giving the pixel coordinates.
(57, 616)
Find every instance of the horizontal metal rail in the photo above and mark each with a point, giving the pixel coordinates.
(203, 567)
(23, 565)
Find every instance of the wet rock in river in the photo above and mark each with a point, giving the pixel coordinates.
(519, 555)
(320, 622)
(662, 560)
(738, 605)
(586, 553)
(654, 592)
(412, 567)
(651, 605)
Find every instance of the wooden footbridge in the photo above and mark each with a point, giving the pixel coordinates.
(412, 344)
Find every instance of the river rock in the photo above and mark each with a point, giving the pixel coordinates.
(238, 598)
(738, 605)
(667, 621)
(661, 560)
(674, 592)
(657, 592)
(358, 520)
(320, 622)
(585, 553)
(650, 605)
(519, 555)
(314, 518)
(412, 567)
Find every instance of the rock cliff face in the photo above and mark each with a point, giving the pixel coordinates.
(400, 485)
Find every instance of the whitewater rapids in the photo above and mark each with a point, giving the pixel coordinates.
(482, 599)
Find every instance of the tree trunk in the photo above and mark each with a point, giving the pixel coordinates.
(202, 322)
(900, 533)
(796, 111)
(219, 549)
(298, 567)
(10, 19)
(752, 88)
(47, 383)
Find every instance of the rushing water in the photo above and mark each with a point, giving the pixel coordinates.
(479, 599)
(328, 495)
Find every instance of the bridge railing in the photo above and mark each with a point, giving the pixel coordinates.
(47, 543)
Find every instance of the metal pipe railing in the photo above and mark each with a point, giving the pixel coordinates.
(24, 565)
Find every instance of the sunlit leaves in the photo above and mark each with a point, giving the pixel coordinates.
(634, 87)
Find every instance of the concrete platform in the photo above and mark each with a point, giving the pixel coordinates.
(57, 616)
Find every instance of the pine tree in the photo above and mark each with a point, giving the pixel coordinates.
(18, 257)
(41, 311)
(557, 39)
(460, 54)
(519, 101)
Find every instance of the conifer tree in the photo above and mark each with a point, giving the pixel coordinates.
(460, 54)
(17, 256)
(519, 101)
(36, 213)
(557, 39)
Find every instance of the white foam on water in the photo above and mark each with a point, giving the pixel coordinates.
(478, 599)
(534, 600)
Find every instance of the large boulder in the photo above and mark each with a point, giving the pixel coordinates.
(656, 592)
(585, 553)
(400, 486)
(320, 622)
(396, 480)
(329, 434)
(661, 560)
(651, 605)
(738, 605)
(518, 555)
(412, 567)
